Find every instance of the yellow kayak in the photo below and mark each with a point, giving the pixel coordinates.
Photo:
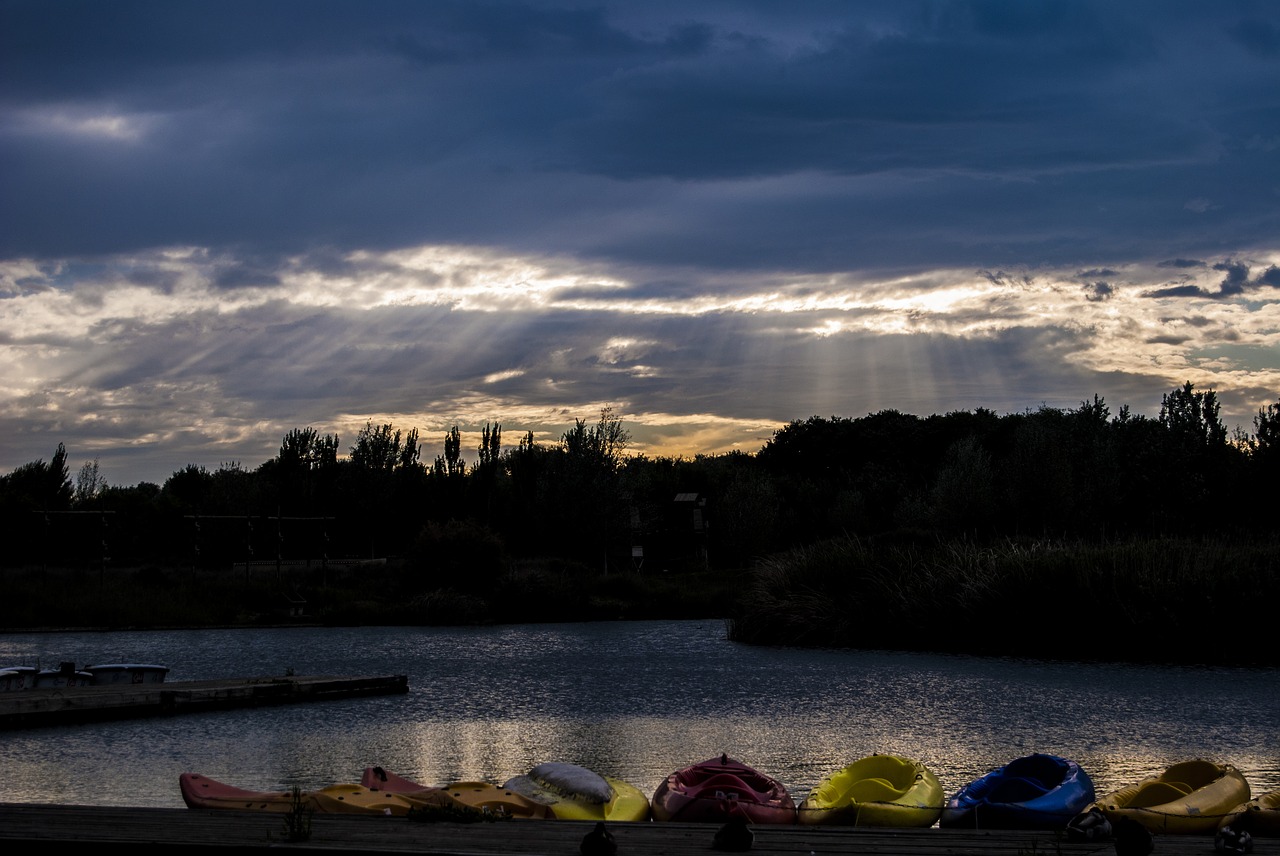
(576, 793)
(481, 796)
(486, 796)
(1259, 816)
(201, 792)
(1189, 798)
(357, 799)
(879, 790)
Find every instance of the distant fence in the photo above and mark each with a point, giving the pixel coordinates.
(306, 564)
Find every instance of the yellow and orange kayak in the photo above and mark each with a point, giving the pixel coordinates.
(201, 792)
(480, 796)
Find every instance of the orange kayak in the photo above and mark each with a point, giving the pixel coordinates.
(482, 796)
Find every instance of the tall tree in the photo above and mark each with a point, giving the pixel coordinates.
(89, 482)
(1192, 417)
(602, 444)
(307, 449)
(1266, 441)
(380, 448)
(490, 448)
(39, 485)
(451, 463)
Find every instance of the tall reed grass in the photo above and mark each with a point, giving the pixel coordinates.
(1175, 600)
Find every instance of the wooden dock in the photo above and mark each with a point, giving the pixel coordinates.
(151, 830)
(65, 705)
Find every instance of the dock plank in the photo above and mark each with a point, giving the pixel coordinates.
(65, 705)
(156, 829)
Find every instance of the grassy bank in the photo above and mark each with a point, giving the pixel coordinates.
(390, 593)
(1171, 600)
(1164, 600)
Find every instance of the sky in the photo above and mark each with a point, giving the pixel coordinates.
(223, 221)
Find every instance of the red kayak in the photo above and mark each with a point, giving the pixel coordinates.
(720, 789)
(386, 781)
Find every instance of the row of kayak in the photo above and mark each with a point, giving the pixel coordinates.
(1038, 791)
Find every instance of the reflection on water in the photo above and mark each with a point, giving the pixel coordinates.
(636, 700)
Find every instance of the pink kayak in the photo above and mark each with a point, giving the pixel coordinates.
(719, 789)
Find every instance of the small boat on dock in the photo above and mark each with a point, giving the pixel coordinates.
(127, 673)
(15, 678)
(66, 675)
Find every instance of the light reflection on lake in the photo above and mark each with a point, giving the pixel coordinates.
(632, 699)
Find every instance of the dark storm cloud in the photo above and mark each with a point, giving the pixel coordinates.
(1235, 283)
(222, 221)
(1099, 291)
(242, 275)
(1236, 280)
(1179, 291)
(950, 133)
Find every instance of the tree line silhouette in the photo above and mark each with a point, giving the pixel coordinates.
(1081, 473)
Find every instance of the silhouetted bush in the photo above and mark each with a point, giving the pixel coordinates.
(1168, 599)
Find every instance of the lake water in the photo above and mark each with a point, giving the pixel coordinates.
(631, 699)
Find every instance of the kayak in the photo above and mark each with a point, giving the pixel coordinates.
(486, 796)
(1192, 797)
(576, 793)
(1259, 816)
(1032, 792)
(482, 796)
(719, 789)
(378, 779)
(879, 790)
(201, 792)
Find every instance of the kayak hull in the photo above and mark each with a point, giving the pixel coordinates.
(1260, 816)
(717, 790)
(1037, 791)
(201, 792)
(879, 790)
(576, 793)
(480, 796)
(1189, 798)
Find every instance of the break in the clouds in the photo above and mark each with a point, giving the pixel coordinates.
(220, 222)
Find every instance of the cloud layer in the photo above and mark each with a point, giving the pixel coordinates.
(224, 222)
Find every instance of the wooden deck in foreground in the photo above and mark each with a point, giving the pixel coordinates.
(65, 705)
(164, 830)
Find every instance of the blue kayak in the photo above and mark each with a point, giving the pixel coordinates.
(1033, 792)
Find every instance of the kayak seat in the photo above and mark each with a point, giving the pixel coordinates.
(1158, 793)
(1197, 774)
(723, 783)
(1016, 789)
(873, 790)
